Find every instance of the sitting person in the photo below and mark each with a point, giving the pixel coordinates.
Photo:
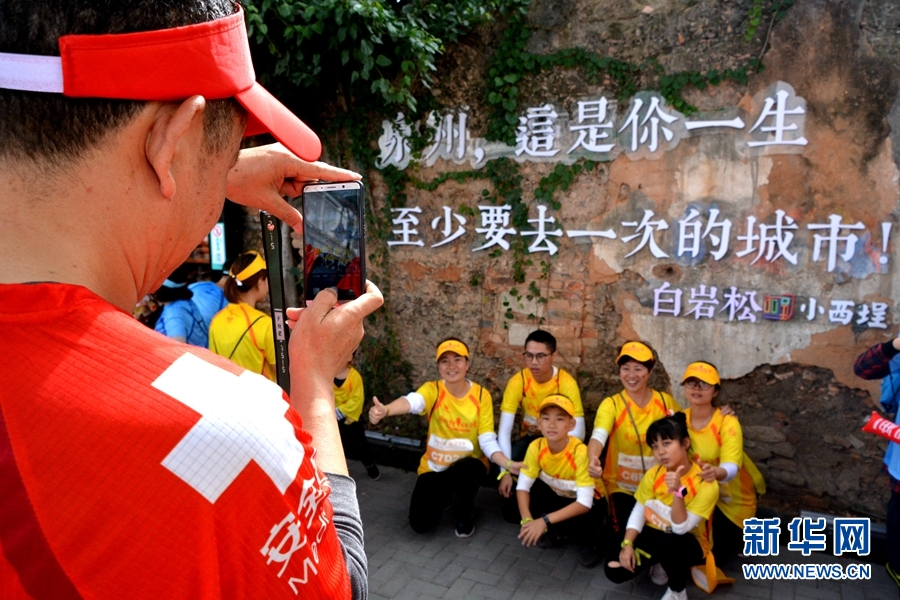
(349, 396)
(460, 438)
(554, 481)
(675, 501)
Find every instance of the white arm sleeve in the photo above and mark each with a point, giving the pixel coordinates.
(688, 524)
(416, 403)
(504, 433)
(585, 496)
(578, 432)
(601, 435)
(636, 519)
(525, 483)
(731, 469)
(488, 443)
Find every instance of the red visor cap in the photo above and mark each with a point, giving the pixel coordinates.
(211, 59)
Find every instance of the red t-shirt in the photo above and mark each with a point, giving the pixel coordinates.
(134, 466)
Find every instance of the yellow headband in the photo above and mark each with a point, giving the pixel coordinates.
(250, 270)
(703, 372)
(452, 346)
(637, 351)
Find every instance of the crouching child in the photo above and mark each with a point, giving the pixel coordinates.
(555, 492)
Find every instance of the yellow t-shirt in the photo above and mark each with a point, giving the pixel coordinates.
(700, 498)
(722, 441)
(454, 425)
(348, 398)
(628, 456)
(523, 389)
(244, 334)
(563, 472)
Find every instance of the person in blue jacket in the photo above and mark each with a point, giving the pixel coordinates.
(187, 318)
(882, 361)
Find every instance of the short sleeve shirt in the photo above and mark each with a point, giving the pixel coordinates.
(244, 334)
(563, 472)
(454, 424)
(628, 456)
(349, 397)
(523, 389)
(700, 498)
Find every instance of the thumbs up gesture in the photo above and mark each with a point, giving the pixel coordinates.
(707, 471)
(595, 469)
(673, 478)
(377, 412)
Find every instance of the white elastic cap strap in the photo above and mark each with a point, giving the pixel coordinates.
(31, 73)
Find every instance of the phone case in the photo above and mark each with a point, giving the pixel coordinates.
(272, 242)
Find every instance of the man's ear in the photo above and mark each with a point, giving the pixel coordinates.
(171, 123)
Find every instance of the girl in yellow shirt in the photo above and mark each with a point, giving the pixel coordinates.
(349, 395)
(672, 504)
(239, 331)
(621, 423)
(460, 438)
(717, 444)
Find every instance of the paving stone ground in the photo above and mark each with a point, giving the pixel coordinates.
(493, 564)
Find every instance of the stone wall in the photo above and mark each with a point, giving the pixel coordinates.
(791, 383)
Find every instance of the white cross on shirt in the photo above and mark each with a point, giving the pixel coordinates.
(243, 419)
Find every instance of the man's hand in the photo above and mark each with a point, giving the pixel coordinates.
(325, 334)
(264, 174)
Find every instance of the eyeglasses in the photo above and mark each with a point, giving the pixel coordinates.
(540, 356)
(697, 384)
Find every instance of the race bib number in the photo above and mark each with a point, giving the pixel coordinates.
(442, 452)
(659, 515)
(563, 487)
(530, 426)
(631, 470)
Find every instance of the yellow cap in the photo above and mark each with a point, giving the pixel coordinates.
(250, 270)
(703, 372)
(636, 350)
(560, 401)
(452, 346)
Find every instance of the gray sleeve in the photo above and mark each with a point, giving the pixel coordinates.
(348, 524)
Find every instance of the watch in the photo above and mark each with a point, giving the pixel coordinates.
(546, 520)
(679, 493)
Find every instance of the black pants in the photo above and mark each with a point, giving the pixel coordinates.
(728, 538)
(617, 519)
(676, 553)
(353, 439)
(509, 508)
(893, 528)
(581, 529)
(434, 491)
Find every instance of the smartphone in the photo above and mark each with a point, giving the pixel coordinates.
(272, 244)
(334, 253)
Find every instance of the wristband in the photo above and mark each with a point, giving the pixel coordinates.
(626, 543)
(679, 493)
(502, 473)
(546, 519)
(526, 521)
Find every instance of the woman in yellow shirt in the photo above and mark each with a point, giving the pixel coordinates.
(717, 444)
(460, 438)
(621, 423)
(239, 331)
(675, 501)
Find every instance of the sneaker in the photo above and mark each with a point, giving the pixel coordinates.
(373, 472)
(589, 557)
(658, 575)
(670, 595)
(464, 530)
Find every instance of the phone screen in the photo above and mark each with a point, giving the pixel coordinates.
(334, 239)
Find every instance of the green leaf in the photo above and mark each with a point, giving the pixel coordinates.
(382, 60)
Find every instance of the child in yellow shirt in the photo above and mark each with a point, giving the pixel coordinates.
(349, 396)
(460, 439)
(555, 492)
(672, 504)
